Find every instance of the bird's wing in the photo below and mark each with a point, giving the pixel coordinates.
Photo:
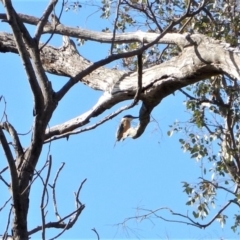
(119, 132)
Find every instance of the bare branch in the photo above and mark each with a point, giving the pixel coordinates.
(38, 174)
(5, 182)
(217, 186)
(78, 192)
(5, 235)
(4, 205)
(189, 222)
(54, 192)
(94, 230)
(55, 25)
(12, 167)
(42, 206)
(16, 141)
(115, 25)
(44, 19)
(64, 229)
(58, 224)
(72, 217)
(3, 170)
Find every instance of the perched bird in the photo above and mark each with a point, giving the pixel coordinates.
(123, 127)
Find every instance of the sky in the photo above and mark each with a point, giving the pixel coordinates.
(143, 173)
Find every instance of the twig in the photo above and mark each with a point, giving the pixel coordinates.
(64, 229)
(217, 186)
(58, 224)
(139, 90)
(16, 141)
(5, 235)
(5, 108)
(4, 181)
(3, 170)
(78, 192)
(4, 205)
(96, 233)
(110, 116)
(115, 25)
(55, 26)
(38, 173)
(43, 196)
(12, 167)
(191, 221)
(54, 193)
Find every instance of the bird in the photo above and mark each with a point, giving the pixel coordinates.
(125, 124)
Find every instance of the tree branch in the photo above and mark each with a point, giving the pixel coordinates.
(54, 192)
(11, 17)
(44, 19)
(16, 141)
(42, 206)
(12, 167)
(60, 224)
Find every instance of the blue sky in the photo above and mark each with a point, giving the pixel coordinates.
(142, 173)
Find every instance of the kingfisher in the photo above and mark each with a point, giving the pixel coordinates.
(123, 127)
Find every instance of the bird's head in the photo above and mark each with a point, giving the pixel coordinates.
(128, 117)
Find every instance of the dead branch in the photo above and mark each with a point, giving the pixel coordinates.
(12, 167)
(44, 19)
(72, 217)
(4, 205)
(54, 192)
(5, 235)
(43, 205)
(189, 221)
(94, 230)
(16, 141)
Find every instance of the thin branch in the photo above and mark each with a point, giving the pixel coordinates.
(153, 18)
(55, 26)
(16, 141)
(3, 170)
(54, 192)
(4, 181)
(12, 167)
(5, 108)
(78, 192)
(44, 19)
(58, 224)
(4, 205)
(185, 24)
(115, 25)
(64, 229)
(217, 186)
(140, 69)
(38, 173)
(191, 221)
(109, 117)
(94, 230)
(43, 196)
(5, 235)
